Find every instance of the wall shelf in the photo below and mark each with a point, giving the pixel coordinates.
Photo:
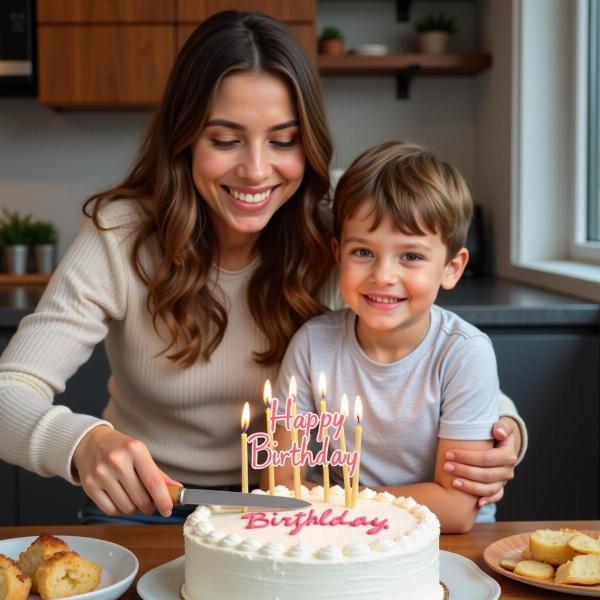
(404, 66)
(28, 278)
(392, 64)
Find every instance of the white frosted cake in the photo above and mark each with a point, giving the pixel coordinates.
(387, 548)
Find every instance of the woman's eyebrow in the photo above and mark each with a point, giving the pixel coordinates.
(238, 126)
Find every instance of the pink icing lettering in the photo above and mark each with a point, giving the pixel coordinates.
(377, 526)
(259, 520)
(358, 521)
(339, 520)
(256, 520)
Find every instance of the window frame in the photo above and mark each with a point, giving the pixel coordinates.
(548, 234)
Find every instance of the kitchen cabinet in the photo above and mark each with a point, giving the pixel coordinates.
(119, 53)
(105, 11)
(47, 500)
(552, 375)
(104, 65)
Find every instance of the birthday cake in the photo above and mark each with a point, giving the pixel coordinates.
(387, 548)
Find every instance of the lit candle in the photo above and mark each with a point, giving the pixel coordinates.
(293, 392)
(244, 443)
(344, 411)
(267, 401)
(322, 392)
(357, 445)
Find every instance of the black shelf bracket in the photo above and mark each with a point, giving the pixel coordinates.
(403, 10)
(403, 80)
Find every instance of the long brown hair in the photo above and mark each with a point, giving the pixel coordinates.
(295, 260)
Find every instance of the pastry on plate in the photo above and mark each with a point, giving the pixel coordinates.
(14, 585)
(42, 548)
(66, 574)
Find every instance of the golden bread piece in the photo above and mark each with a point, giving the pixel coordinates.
(584, 569)
(585, 544)
(534, 569)
(552, 547)
(14, 585)
(42, 548)
(66, 574)
(509, 564)
(526, 554)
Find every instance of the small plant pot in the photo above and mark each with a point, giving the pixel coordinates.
(15, 259)
(44, 258)
(433, 42)
(331, 47)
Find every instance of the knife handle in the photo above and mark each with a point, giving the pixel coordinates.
(175, 493)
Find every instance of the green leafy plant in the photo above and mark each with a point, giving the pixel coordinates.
(15, 229)
(331, 33)
(436, 22)
(43, 232)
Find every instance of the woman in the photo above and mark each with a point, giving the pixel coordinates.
(197, 270)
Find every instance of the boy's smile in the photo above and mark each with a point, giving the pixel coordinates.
(390, 280)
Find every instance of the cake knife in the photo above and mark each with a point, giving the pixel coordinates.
(181, 495)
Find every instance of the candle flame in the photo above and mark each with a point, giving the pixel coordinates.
(358, 409)
(293, 391)
(267, 393)
(344, 405)
(322, 385)
(246, 417)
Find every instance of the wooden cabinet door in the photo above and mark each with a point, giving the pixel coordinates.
(305, 34)
(285, 10)
(105, 11)
(97, 65)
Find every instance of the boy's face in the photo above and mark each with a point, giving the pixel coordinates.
(390, 279)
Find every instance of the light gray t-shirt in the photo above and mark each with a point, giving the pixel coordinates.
(446, 387)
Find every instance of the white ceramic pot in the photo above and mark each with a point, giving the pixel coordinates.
(433, 42)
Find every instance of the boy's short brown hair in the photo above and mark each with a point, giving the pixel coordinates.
(411, 186)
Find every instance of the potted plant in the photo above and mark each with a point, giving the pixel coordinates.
(44, 237)
(434, 31)
(15, 236)
(331, 41)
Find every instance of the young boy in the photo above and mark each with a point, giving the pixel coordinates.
(427, 379)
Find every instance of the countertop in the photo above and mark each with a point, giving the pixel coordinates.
(483, 301)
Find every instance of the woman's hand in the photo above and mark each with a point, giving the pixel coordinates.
(484, 473)
(119, 475)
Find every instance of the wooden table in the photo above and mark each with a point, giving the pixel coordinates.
(157, 544)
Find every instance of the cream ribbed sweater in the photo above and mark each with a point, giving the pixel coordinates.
(188, 418)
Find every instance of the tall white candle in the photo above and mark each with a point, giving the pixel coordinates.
(357, 448)
(267, 401)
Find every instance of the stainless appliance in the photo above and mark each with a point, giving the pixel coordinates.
(18, 73)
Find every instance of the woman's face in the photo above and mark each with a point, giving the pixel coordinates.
(248, 160)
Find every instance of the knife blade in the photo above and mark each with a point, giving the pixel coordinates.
(181, 495)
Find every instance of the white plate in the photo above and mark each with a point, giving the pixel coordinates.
(465, 580)
(371, 49)
(119, 565)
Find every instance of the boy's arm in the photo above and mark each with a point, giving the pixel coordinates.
(455, 509)
(484, 474)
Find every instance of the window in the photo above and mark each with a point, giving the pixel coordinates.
(555, 175)
(593, 162)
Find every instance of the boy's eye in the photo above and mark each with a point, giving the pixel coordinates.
(411, 257)
(362, 252)
(223, 143)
